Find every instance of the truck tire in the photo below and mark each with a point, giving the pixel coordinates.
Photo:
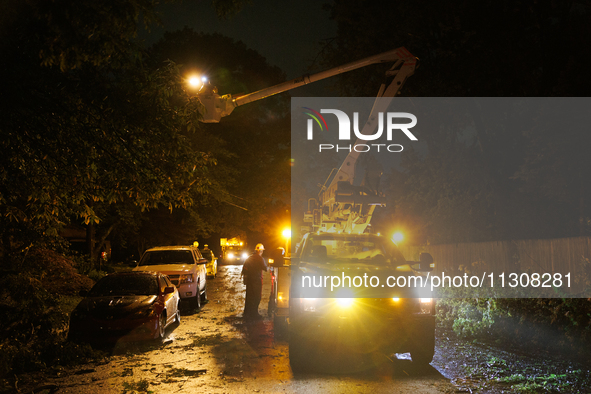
(298, 354)
(422, 352)
(280, 326)
(422, 356)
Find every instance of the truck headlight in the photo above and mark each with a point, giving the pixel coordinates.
(230, 255)
(309, 304)
(425, 306)
(186, 278)
(345, 298)
(244, 256)
(345, 302)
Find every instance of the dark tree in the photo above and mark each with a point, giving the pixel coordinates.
(255, 138)
(495, 182)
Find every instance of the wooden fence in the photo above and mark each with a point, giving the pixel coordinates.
(539, 255)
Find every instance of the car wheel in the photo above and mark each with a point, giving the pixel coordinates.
(177, 316)
(161, 326)
(204, 296)
(196, 301)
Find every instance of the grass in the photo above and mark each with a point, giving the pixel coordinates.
(539, 384)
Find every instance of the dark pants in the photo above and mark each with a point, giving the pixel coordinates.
(254, 293)
(271, 305)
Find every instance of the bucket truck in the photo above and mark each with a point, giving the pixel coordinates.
(323, 329)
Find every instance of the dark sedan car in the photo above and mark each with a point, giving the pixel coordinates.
(129, 306)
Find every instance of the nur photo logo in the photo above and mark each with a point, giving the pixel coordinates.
(390, 122)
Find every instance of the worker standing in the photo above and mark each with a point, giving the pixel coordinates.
(252, 272)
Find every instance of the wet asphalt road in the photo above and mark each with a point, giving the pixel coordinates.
(214, 351)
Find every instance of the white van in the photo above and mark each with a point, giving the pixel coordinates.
(184, 265)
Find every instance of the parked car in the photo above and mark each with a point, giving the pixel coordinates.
(212, 262)
(184, 265)
(128, 306)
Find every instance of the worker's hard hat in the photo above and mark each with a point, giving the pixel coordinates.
(259, 247)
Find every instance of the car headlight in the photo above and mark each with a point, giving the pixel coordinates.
(143, 314)
(186, 278)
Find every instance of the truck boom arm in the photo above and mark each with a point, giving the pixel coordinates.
(344, 205)
(216, 106)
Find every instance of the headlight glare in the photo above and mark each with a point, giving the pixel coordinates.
(345, 302)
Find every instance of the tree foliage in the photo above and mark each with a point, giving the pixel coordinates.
(255, 138)
(89, 133)
(87, 123)
(495, 182)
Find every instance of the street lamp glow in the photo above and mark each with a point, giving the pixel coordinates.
(286, 233)
(196, 82)
(397, 237)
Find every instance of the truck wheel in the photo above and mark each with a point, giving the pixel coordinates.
(422, 356)
(422, 348)
(280, 326)
(297, 354)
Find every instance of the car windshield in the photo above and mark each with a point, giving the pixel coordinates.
(160, 257)
(207, 254)
(125, 285)
(352, 248)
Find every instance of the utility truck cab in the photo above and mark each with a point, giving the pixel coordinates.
(343, 304)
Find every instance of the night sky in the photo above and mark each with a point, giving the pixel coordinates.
(289, 34)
